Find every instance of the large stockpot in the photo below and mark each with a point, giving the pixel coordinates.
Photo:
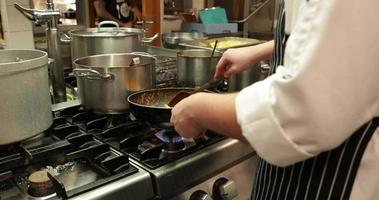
(25, 109)
(105, 81)
(196, 66)
(106, 40)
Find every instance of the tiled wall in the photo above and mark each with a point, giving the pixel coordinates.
(17, 29)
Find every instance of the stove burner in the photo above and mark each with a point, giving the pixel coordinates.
(172, 141)
(39, 184)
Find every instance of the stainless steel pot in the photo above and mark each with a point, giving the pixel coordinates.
(196, 66)
(95, 41)
(25, 109)
(105, 81)
(241, 80)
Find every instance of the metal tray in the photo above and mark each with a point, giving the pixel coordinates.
(223, 44)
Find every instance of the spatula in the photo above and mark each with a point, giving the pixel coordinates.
(183, 94)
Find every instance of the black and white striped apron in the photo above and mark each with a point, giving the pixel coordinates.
(330, 175)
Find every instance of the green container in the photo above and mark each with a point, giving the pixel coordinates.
(214, 15)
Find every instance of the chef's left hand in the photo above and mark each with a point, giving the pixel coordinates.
(184, 117)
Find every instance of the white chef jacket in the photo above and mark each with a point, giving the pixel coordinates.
(327, 88)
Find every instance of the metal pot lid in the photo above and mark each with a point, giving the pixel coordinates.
(106, 32)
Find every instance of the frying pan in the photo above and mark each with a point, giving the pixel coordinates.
(151, 105)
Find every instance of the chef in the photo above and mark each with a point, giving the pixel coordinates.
(121, 11)
(313, 121)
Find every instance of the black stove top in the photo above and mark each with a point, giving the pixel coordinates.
(150, 145)
(81, 143)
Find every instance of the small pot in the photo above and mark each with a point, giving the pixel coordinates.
(196, 66)
(105, 81)
(25, 109)
(243, 79)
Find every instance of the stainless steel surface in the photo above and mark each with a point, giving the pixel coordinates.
(172, 40)
(137, 187)
(24, 86)
(245, 78)
(105, 81)
(196, 66)
(176, 177)
(50, 16)
(100, 40)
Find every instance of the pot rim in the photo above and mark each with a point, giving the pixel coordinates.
(106, 32)
(218, 54)
(23, 64)
(113, 67)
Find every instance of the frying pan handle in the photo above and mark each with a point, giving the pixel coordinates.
(92, 74)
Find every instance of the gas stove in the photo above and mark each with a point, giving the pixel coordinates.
(84, 155)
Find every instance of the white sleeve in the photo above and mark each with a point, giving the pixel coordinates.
(327, 88)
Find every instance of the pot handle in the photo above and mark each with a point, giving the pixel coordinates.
(65, 38)
(143, 54)
(150, 39)
(107, 22)
(92, 74)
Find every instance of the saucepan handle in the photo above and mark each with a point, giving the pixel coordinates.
(92, 74)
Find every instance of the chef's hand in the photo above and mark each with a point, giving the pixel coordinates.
(239, 59)
(184, 119)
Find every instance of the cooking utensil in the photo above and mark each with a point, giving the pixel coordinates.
(104, 81)
(195, 67)
(151, 105)
(25, 109)
(105, 40)
(184, 94)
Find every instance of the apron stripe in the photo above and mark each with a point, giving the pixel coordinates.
(275, 183)
(269, 181)
(357, 155)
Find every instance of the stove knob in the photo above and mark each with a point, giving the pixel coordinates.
(200, 195)
(224, 189)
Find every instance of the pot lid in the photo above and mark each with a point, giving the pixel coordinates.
(106, 32)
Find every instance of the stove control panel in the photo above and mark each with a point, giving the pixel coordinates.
(200, 195)
(224, 189)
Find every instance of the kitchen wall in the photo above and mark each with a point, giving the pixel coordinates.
(173, 23)
(17, 29)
